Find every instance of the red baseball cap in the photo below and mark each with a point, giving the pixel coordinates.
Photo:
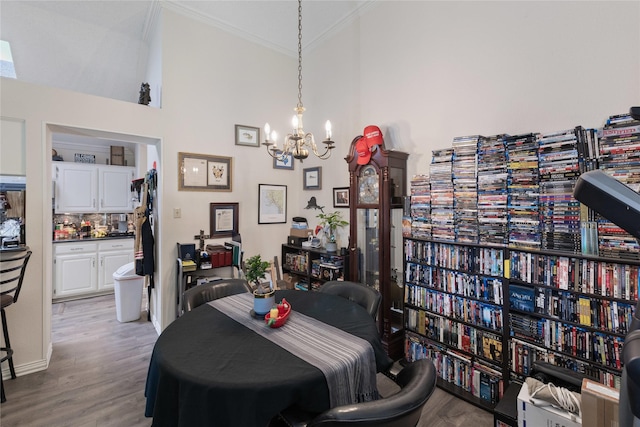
(373, 135)
(364, 154)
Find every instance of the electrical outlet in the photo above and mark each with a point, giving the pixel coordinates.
(177, 212)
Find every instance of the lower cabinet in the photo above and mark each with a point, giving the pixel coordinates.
(112, 255)
(81, 269)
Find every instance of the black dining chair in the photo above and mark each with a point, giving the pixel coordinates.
(363, 295)
(403, 409)
(12, 268)
(210, 291)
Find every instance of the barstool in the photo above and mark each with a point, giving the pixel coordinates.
(12, 267)
(8, 354)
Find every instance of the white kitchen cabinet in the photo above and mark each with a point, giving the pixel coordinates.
(75, 269)
(115, 189)
(76, 188)
(85, 269)
(86, 188)
(112, 254)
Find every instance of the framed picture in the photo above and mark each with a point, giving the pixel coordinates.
(285, 163)
(341, 197)
(272, 204)
(312, 178)
(202, 172)
(223, 219)
(247, 135)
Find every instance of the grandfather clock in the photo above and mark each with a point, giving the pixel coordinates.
(377, 184)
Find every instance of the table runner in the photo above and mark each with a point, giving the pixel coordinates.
(347, 361)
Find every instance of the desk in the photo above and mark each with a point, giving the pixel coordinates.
(208, 369)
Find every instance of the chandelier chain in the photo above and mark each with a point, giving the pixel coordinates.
(299, 53)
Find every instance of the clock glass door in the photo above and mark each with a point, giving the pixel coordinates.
(396, 284)
(369, 247)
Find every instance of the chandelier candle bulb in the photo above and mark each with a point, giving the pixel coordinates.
(327, 126)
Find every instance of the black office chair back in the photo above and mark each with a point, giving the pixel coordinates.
(210, 291)
(12, 268)
(417, 382)
(362, 295)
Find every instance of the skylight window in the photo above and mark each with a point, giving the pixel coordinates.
(6, 61)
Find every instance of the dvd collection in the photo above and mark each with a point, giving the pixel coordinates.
(595, 277)
(469, 374)
(517, 190)
(599, 347)
(493, 206)
(523, 354)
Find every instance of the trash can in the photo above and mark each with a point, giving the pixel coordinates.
(128, 289)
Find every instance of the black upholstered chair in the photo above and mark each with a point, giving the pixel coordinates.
(210, 291)
(12, 268)
(402, 409)
(362, 295)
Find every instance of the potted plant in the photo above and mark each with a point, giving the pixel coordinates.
(264, 294)
(330, 222)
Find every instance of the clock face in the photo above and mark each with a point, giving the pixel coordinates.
(369, 190)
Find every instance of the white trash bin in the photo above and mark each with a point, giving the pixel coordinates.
(128, 289)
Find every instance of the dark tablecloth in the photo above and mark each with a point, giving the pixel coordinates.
(209, 370)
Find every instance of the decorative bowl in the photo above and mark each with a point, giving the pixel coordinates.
(284, 309)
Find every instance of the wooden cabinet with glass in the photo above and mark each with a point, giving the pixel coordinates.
(377, 186)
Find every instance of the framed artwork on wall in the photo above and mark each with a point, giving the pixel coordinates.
(285, 163)
(312, 178)
(272, 204)
(223, 219)
(341, 197)
(247, 135)
(203, 172)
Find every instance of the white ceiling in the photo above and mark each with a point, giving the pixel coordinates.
(100, 47)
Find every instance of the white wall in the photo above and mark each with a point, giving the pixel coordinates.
(423, 71)
(29, 319)
(429, 71)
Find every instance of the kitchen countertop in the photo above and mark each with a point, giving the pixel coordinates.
(93, 239)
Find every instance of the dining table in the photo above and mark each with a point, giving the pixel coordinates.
(220, 365)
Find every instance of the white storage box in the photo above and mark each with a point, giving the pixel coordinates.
(530, 415)
(128, 290)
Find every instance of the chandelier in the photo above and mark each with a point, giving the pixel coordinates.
(298, 143)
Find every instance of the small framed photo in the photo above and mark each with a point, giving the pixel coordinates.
(312, 178)
(248, 136)
(285, 163)
(272, 204)
(341, 197)
(223, 219)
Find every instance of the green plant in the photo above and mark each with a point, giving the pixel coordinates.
(255, 270)
(330, 223)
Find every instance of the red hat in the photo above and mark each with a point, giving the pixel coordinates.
(364, 154)
(373, 135)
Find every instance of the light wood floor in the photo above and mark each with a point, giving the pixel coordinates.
(98, 370)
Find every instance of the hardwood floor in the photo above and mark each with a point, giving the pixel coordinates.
(98, 370)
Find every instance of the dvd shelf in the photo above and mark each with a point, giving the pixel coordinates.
(465, 303)
(547, 278)
(570, 310)
(454, 314)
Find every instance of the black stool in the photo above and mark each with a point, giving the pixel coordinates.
(12, 267)
(8, 355)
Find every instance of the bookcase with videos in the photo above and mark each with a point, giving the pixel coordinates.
(570, 310)
(454, 315)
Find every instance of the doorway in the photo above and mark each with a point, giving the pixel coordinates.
(141, 152)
